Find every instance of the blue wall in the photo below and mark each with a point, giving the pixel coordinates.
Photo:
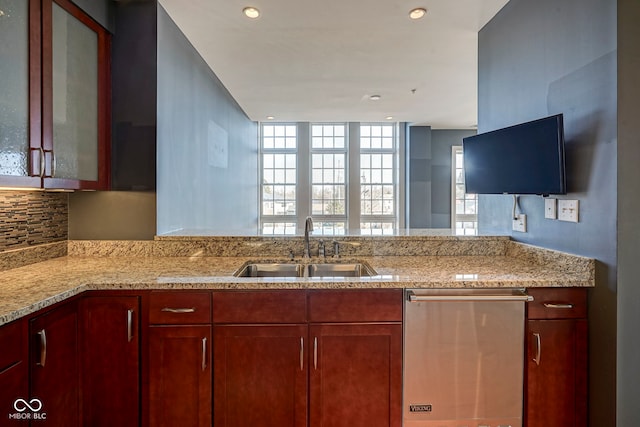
(207, 146)
(542, 57)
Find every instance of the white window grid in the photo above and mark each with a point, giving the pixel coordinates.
(464, 206)
(329, 171)
(378, 178)
(278, 196)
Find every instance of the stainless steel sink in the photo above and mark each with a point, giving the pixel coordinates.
(348, 269)
(270, 270)
(340, 270)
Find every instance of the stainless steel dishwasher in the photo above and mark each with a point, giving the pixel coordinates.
(463, 357)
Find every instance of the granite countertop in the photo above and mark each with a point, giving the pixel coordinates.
(27, 289)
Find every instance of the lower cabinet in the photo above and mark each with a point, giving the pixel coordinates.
(556, 377)
(260, 376)
(274, 368)
(356, 375)
(14, 373)
(54, 365)
(110, 348)
(178, 358)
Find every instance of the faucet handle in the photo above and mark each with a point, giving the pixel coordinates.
(321, 252)
(336, 249)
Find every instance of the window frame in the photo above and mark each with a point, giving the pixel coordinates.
(304, 151)
(456, 217)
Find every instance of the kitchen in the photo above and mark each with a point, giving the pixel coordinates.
(591, 177)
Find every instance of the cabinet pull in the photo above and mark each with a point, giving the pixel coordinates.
(301, 353)
(129, 325)
(315, 352)
(538, 348)
(43, 347)
(204, 353)
(179, 310)
(54, 164)
(41, 162)
(557, 305)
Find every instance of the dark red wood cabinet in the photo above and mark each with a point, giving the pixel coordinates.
(273, 367)
(54, 365)
(110, 357)
(178, 357)
(556, 368)
(60, 91)
(14, 373)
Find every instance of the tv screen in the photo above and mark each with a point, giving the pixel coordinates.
(523, 159)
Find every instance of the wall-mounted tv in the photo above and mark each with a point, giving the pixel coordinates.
(527, 158)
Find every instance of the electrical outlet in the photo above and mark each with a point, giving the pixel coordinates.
(568, 210)
(520, 224)
(550, 211)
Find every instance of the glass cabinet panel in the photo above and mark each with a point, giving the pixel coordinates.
(14, 87)
(75, 97)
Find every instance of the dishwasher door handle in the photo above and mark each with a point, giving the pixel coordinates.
(412, 297)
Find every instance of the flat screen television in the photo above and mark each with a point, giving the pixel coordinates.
(527, 158)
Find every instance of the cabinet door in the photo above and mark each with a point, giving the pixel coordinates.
(356, 375)
(20, 155)
(260, 376)
(110, 361)
(54, 365)
(180, 376)
(14, 375)
(75, 98)
(556, 373)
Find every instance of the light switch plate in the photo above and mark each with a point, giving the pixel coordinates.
(568, 210)
(520, 224)
(550, 211)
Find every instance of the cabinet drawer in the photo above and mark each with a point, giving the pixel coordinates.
(384, 305)
(260, 307)
(557, 303)
(11, 344)
(179, 307)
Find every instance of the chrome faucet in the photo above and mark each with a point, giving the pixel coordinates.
(308, 226)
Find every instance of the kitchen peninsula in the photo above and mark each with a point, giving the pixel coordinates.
(178, 295)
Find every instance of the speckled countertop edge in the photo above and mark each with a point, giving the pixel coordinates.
(29, 288)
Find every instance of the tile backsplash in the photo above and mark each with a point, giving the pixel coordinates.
(31, 218)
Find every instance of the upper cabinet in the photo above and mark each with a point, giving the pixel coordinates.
(55, 107)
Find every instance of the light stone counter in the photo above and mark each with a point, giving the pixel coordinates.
(109, 265)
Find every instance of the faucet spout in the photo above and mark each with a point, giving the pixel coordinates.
(308, 226)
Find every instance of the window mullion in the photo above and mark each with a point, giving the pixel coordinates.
(303, 203)
(353, 179)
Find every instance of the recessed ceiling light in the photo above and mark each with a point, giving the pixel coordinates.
(389, 117)
(251, 12)
(375, 97)
(417, 13)
(270, 117)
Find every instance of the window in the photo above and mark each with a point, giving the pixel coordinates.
(377, 178)
(279, 178)
(343, 175)
(464, 209)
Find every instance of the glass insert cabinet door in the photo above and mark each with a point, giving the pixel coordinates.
(75, 97)
(54, 96)
(15, 143)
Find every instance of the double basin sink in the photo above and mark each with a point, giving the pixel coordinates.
(347, 269)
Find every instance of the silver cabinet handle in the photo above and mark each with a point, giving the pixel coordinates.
(43, 347)
(301, 353)
(557, 305)
(41, 162)
(315, 352)
(538, 348)
(179, 310)
(204, 353)
(54, 164)
(129, 325)
(419, 298)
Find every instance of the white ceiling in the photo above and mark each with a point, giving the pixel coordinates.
(320, 60)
